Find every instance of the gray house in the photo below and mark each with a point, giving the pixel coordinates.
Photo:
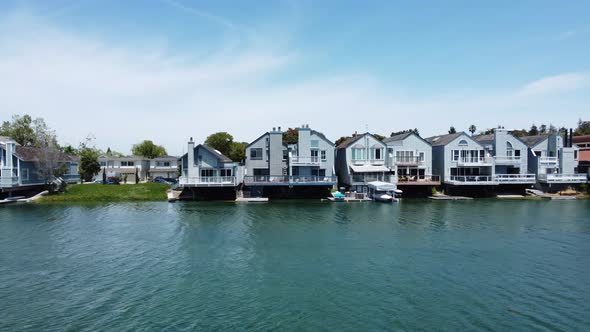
(362, 159)
(461, 161)
(553, 159)
(125, 167)
(509, 156)
(411, 157)
(24, 168)
(309, 162)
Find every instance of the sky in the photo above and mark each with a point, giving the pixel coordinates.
(167, 70)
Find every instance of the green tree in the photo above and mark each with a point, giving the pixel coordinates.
(583, 128)
(472, 129)
(452, 130)
(543, 129)
(27, 131)
(89, 165)
(237, 151)
(379, 137)
(148, 149)
(291, 136)
(220, 141)
(534, 130)
(70, 150)
(342, 139)
(395, 133)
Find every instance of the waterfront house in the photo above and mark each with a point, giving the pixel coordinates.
(554, 160)
(411, 158)
(27, 168)
(462, 162)
(165, 166)
(207, 174)
(509, 157)
(583, 143)
(361, 159)
(125, 167)
(274, 168)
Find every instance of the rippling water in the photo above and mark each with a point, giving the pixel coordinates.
(417, 265)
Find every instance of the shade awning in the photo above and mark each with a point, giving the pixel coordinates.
(369, 169)
(382, 186)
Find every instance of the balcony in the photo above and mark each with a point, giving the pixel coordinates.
(305, 161)
(408, 161)
(418, 180)
(515, 178)
(474, 161)
(372, 177)
(507, 160)
(563, 178)
(548, 160)
(471, 180)
(285, 180)
(207, 181)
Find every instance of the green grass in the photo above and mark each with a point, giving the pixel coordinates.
(101, 192)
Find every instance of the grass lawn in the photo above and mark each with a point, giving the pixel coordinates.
(102, 192)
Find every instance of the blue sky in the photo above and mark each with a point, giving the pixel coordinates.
(123, 71)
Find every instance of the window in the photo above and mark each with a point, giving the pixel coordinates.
(455, 155)
(377, 154)
(358, 154)
(162, 163)
(323, 154)
(315, 143)
(517, 154)
(462, 142)
(509, 149)
(256, 154)
(225, 172)
(421, 156)
(575, 154)
(103, 164)
(206, 173)
(25, 175)
(127, 163)
(285, 154)
(314, 155)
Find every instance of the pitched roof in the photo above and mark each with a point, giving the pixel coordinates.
(485, 139)
(347, 142)
(533, 140)
(218, 154)
(443, 139)
(321, 135)
(398, 137)
(27, 153)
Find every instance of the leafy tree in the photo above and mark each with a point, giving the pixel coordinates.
(70, 150)
(488, 131)
(291, 136)
(89, 165)
(552, 129)
(520, 133)
(534, 130)
(452, 130)
(342, 139)
(29, 132)
(220, 141)
(148, 149)
(395, 133)
(379, 137)
(472, 129)
(542, 129)
(583, 128)
(237, 151)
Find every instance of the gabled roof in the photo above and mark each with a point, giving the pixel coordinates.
(444, 139)
(485, 139)
(322, 136)
(533, 140)
(349, 141)
(256, 140)
(401, 137)
(216, 153)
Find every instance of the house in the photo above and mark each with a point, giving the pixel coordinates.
(166, 167)
(509, 157)
(207, 174)
(461, 161)
(554, 160)
(26, 168)
(126, 167)
(411, 158)
(361, 159)
(274, 168)
(583, 143)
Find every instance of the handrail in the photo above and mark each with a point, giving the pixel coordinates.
(184, 180)
(288, 179)
(418, 178)
(472, 178)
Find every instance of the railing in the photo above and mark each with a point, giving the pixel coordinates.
(285, 179)
(417, 178)
(471, 178)
(207, 180)
(507, 159)
(474, 160)
(515, 178)
(574, 178)
(305, 160)
(408, 160)
(548, 160)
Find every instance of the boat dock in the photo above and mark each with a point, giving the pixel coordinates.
(252, 199)
(450, 198)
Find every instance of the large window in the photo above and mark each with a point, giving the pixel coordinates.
(404, 156)
(256, 154)
(162, 163)
(314, 155)
(25, 174)
(103, 163)
(206, 173)
(358, 154)
(377, 154)
(225, 172)
(127, 163)
(509, 149)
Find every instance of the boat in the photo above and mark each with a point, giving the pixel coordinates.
(337, 196)
(380, 191)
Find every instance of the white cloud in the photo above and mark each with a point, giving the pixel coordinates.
(557, 83)
(122, 94)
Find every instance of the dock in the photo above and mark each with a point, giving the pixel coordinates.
(349, 200)
(252, 199)
(450, 198)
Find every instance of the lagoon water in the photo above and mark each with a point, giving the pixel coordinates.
(416, 265)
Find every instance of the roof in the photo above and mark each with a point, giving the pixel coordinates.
(27, 153)
(533, 140)
(399, 137)
(582, 139)
(485, 139)
(321, 135)
(348, 142)
(443, 139)
(5, 139)
(218, 154)
(369, 169)
(382, 186)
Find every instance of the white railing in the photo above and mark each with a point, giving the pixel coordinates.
(573, 178)
(548, 160)
(377, 161)
(408, 160)
(515, 178)
(507, 159)
(305, 160)
(207, 180)
(418, 178)
(474, 160)
(472, 178)
(285, 179)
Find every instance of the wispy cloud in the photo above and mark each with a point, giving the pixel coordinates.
(555, 84)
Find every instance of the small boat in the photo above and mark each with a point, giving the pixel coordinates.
(337, 196)
(170, 196)
(380, 191)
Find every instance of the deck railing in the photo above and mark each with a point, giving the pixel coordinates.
(207, 180)
(306, 160)
(548, 160)
(408, 160)
(474, 160)
(285, 179)
(418, 178)
(515, 178)
(371, 178)
(471, 178)
(559, 178)
(507, 159)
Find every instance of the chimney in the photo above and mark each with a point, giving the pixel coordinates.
(279, 128)
(274, 129)
(190, 155)
(571, 137)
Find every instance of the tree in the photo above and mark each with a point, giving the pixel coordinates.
(379, 137)
(488, 131)
(542, 129)
(237, 151)
(533, 131)
(136, 176)
(552, 129)
(342, 139)
(148, 149)
(291, 136)
(89, 165)
(395, 133)
(583, 128)
(472, 129)
(520, 133)
(452, 130)
(27, 131)
(70, 150)
(220, 141)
